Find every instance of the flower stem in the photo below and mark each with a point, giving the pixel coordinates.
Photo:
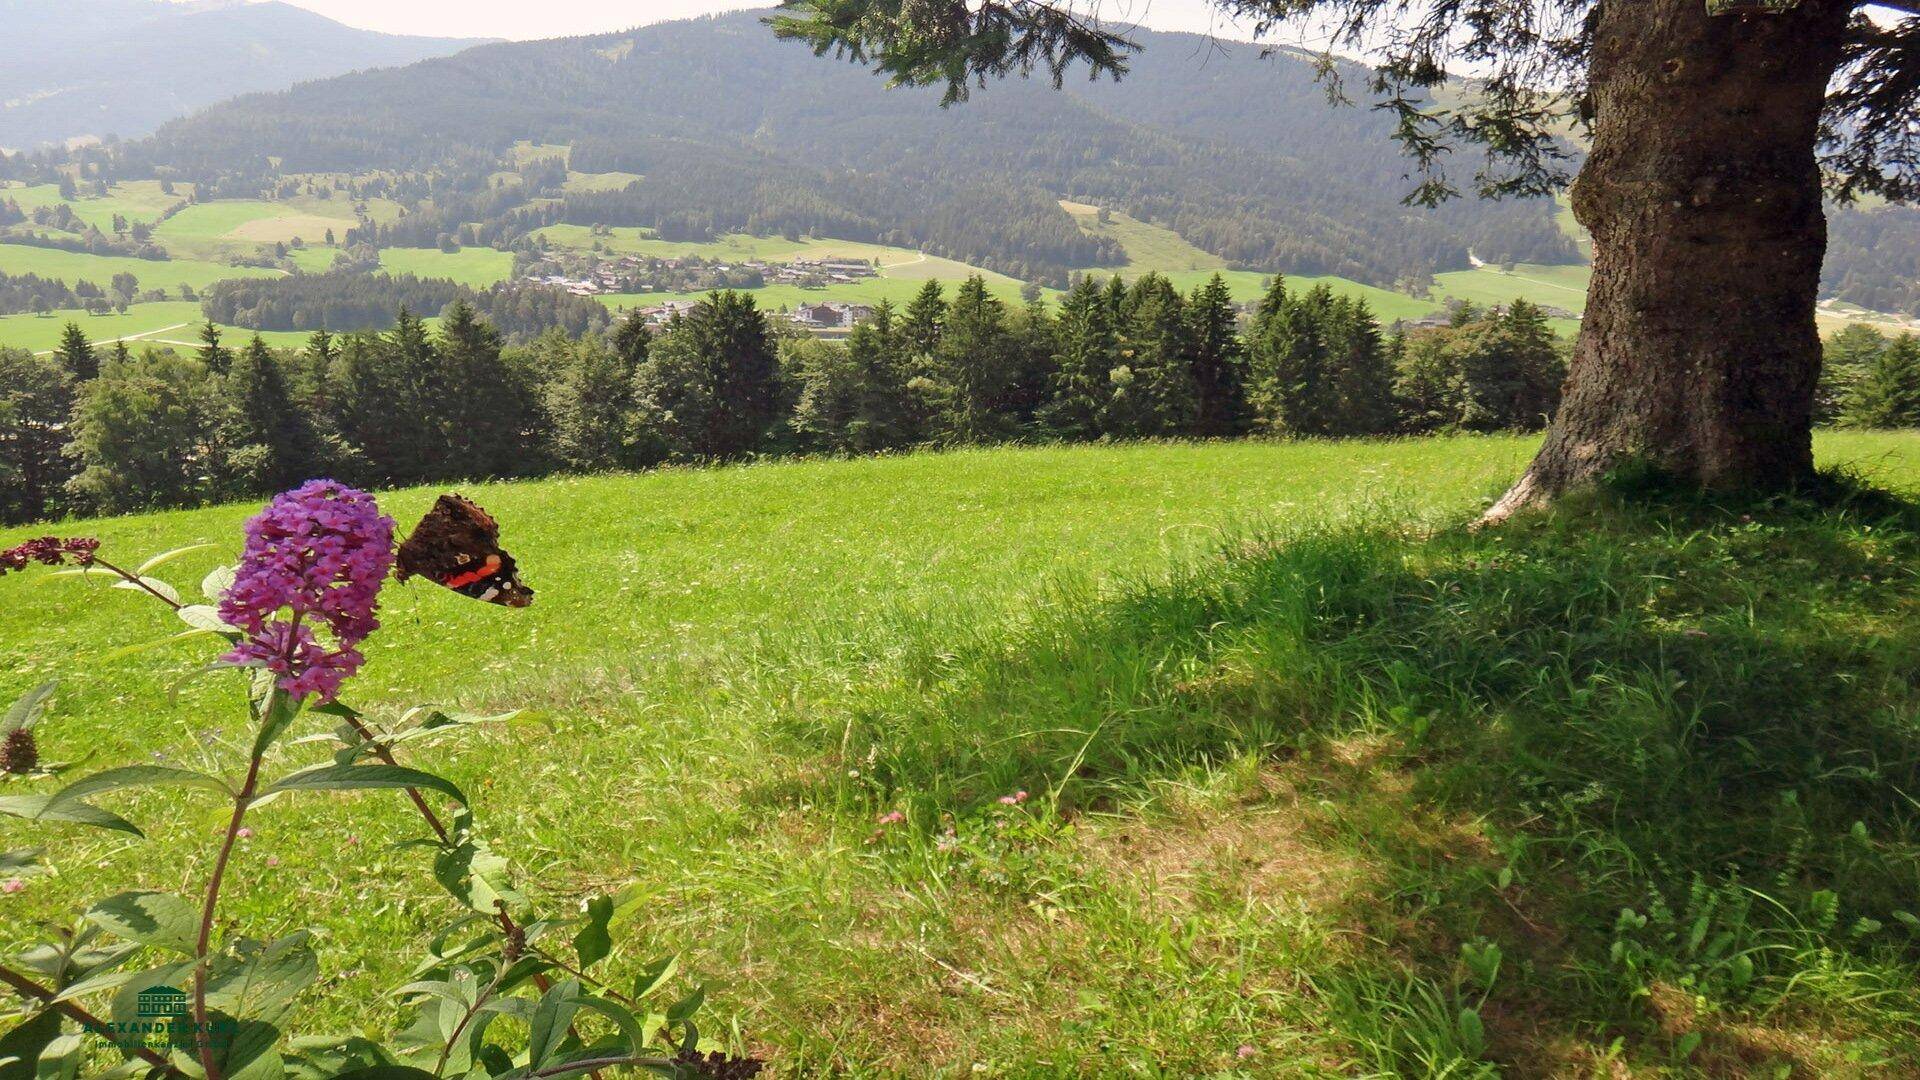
(135, 578)
(202, 1033)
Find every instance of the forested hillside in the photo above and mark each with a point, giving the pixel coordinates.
(71, 68)
(730, 129)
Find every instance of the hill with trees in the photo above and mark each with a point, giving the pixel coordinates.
(73, 68)
(728, 129)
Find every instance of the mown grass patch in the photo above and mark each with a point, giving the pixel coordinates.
(1298, 754)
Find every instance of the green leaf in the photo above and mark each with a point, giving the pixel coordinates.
(361, 777)
(654, 976)
(151, 584)
(206, 617)
(475, 876)
(218, 580)
(22, 1046)
(272, 717)
(629, 1025)
(547, 1031)
(686, 1006)
(19, 859)
(166, 557)
(38, 808)
(137, 776)
(594, 942)
(25, 712)
(251, 1051)
(388, 1072)
(1473, 1033)
(259, 981)
(161, 920)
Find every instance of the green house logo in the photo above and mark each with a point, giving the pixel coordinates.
(159, 1001)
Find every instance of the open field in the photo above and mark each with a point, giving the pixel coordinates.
(1279, 773)
(72, 266)
(478, 267)
(135, 200)
(174, 323)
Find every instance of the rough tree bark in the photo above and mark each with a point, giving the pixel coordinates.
(1698, 352)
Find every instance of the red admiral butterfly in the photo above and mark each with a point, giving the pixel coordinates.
(458, 545)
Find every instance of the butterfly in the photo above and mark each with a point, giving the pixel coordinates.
(458, 545)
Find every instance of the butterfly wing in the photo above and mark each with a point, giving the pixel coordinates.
(458, 545)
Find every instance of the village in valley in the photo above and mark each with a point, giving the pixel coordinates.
(602, 274)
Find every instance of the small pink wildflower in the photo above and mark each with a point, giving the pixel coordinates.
(1246, 1051)
(1014, 799)
(12, 885)
(893, 818)
(245, 833)
(273, 860)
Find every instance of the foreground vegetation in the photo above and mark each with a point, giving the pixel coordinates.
(1316, 783)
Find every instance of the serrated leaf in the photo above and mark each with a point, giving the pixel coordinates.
(166, 557)
(35, 807)
(25, 712)
(161, 920)
(594, 941)
(136, 776)
(365, 777)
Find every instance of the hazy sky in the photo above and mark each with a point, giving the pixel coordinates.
(522, 19)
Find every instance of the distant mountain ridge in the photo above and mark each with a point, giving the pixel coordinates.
(91, 68)
(732, 129)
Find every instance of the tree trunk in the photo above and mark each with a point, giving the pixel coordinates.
(1698, 353)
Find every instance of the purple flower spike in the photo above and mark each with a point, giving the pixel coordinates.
(319, 553)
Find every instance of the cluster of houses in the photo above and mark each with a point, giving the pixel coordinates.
(830, 316)
(816, 271)
(633, 274)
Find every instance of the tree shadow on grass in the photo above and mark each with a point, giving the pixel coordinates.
(1662, 753)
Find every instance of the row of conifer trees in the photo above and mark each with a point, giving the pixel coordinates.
(109, 430)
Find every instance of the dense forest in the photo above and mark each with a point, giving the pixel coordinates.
(727, 128)
(358, 301)
(88, 429)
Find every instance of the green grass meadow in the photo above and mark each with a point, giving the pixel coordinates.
(1313, 771)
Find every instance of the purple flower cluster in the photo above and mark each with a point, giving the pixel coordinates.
(320, 552)
(49, 551)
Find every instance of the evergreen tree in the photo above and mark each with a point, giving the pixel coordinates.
(1360, 375)
(1217, 361)
(853, 397)
(1888, 393)
(1153, 392)
(921, 324)
(1089, 349)
(1033, 339)
(36, 397)
(216, 357)
(1845, 359)
(631, 340)
(378, 389)
(709, 388)
(475, 401)
(972, 372)
(589, 401)
(267, 437)
(76, 354)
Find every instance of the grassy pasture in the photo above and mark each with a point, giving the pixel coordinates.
(1279, 770)
(135, 200)
(478, 267)
(175, 323)
(71, 266)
